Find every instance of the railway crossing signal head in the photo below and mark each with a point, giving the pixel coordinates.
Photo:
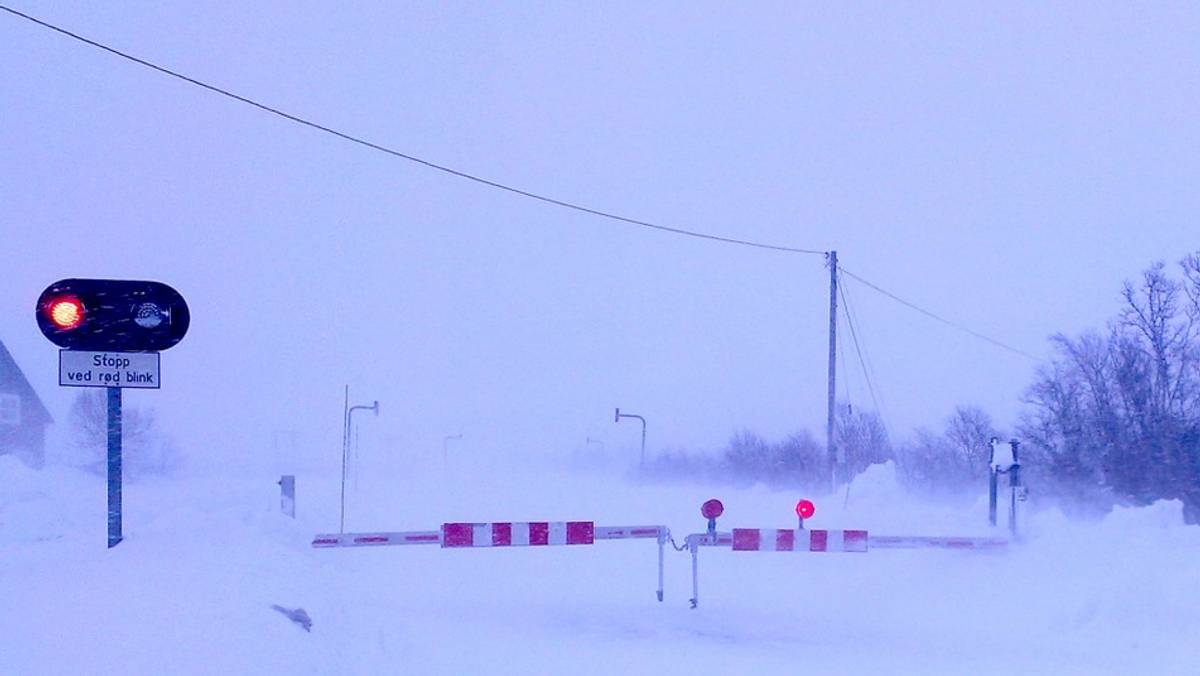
(113, 315)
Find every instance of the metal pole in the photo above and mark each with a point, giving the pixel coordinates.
(345, 432)
(992, 491)
(287, 494)
(114, 467)
(346, 450)
(643, 460)
(830, 405)
(354, 456)
(662, 540)
(617, 418)
(1014, 486)
(694, 547)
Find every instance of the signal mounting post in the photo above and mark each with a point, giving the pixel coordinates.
(111, 332)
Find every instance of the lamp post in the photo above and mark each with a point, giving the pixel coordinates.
(445, 454)
(599, 443)
(346, 450)
(617, 418)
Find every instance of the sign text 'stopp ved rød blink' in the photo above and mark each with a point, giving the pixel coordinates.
(78, 368)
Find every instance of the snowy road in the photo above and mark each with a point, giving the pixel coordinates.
(191, 589)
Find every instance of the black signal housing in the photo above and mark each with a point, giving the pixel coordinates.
(116, 314)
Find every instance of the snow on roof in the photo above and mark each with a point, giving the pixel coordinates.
(12, 380)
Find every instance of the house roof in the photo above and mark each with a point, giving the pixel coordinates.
(12, 380)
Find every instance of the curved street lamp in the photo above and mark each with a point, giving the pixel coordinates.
(346, 450)
(617, 418)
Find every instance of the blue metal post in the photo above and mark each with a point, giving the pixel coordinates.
(114, 467)
(1014, 484)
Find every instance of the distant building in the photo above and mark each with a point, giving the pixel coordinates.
(23, 416)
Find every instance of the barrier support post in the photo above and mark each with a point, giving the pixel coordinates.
(694, 547)
(662, 540)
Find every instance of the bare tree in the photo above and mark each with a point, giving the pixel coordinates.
(1121, 412)
(862, 438)
(144, 449)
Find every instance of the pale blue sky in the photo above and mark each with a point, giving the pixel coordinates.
(1005, 165)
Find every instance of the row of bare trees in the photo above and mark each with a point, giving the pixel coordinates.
(1115, 415)
(1112, 418)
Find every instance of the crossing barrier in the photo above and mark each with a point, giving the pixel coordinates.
(802, 540)
(499, 534)
(777, 540)
(464, 535)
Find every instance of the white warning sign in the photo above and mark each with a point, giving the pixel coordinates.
(77, 368)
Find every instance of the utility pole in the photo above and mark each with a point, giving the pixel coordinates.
(830, 456)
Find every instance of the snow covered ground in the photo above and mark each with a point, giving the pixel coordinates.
(208, 554)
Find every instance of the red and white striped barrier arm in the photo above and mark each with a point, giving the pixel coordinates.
(518, 534)
(421, 537)
(804, 540)
(924, 542)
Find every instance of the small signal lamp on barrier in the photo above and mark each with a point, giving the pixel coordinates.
(711, 509)
(804, 510)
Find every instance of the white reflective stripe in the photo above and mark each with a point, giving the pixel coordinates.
(803, 540)
(520, 534)
(558, 533)
(836, 541)
(482, 535)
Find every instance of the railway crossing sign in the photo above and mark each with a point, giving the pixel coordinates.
(111, 331)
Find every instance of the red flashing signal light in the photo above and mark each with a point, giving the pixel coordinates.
(65, 313)
(805, 509)
(711, 509)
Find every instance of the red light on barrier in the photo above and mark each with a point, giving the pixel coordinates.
(65, 313)
(711, 509)
(805, 509)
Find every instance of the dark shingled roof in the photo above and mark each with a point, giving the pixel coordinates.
(13, 381)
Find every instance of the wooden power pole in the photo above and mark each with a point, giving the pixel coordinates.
(830, 455)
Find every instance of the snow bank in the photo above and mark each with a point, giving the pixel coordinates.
(191, 589)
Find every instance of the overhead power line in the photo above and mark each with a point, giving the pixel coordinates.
(858, 349)
(411, 158)
(496, 184)
(939, 318)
